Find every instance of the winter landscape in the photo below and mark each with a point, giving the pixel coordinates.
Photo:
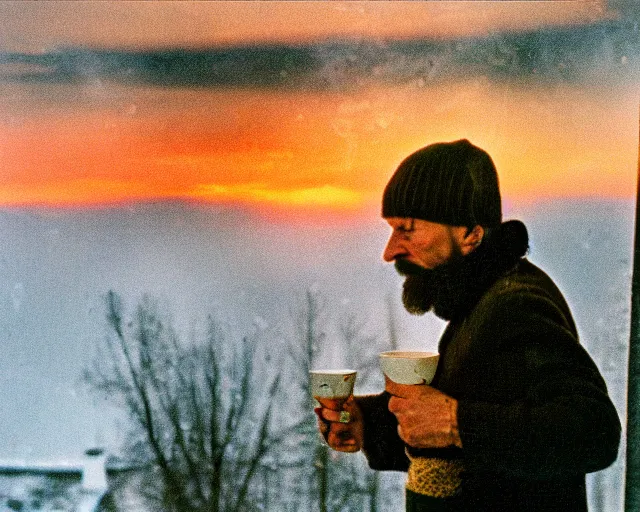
(256, 282)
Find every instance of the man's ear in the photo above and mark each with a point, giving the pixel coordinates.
(472, 239)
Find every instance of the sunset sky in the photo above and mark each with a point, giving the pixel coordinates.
(309, 106)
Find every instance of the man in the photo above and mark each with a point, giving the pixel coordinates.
(517, 412)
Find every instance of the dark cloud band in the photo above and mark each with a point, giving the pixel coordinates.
(605, 50)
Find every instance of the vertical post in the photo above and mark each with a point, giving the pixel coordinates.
(632, 478)
(94, 472)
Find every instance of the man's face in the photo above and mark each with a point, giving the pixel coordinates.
(423, 243)
(419, 249)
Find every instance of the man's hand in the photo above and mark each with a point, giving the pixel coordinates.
(427, 418)
(340, 435)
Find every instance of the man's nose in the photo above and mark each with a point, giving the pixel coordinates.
(393, 249)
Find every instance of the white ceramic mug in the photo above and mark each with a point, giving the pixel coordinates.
(332, 387)
(409, 367)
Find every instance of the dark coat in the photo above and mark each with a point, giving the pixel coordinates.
(533, 411)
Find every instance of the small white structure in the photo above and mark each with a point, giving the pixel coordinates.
(94, 470)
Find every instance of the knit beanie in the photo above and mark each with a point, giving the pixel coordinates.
(452, 183)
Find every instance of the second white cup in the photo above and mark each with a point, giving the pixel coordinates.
(409, 367)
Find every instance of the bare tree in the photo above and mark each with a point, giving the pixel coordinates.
(310, 323)
(335, 481)
(200, 411)
(362, 351)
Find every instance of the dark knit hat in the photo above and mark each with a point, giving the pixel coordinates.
(451, 183)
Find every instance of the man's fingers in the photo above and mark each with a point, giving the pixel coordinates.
(335, 416)
(396, 389)
(342, 440)
(404, 390)
(345, 448)
(342, 429)
(396, 405)
(321, 420)
(323, 425)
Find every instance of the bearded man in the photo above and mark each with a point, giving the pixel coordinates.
(517, 412)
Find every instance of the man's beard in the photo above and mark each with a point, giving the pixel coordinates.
(423, 287)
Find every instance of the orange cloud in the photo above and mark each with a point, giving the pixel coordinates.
(311, 150)
(324, 196)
